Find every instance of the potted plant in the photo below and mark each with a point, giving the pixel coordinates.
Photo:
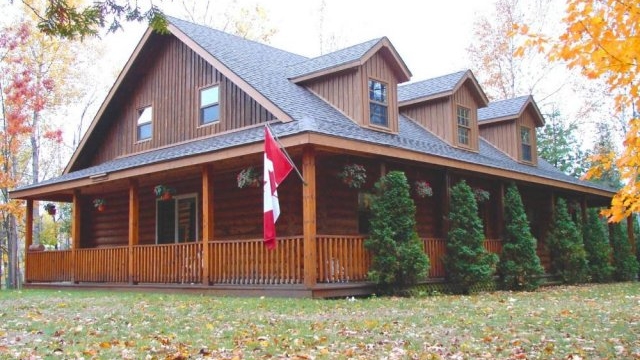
(248, 177)
(99, 204)
(164, 192)
(481, 195)
(423, 189)
(353, 175)
(50, 209)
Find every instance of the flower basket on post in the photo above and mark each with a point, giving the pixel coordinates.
(163, 192)
(99, 204)
(423, 189)
(481, 195)
(50, 209)
(353, 175)
(248, 177)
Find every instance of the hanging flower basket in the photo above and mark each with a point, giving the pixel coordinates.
(481, 195)
(248, 177)
(423, 189)
(353, 175)
(164, 192)
(99, 204)
(50, 209)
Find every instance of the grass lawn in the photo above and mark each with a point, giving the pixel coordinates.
(596, 321)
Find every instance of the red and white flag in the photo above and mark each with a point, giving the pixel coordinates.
(276, 169)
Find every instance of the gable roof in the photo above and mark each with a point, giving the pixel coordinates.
(438, 87)
(264, 70)
(347, 58)
(509, 109)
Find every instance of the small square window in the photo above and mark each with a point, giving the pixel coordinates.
(378, 114)
(144, 129)
(209, 105)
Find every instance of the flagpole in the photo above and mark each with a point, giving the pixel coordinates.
(286, 153)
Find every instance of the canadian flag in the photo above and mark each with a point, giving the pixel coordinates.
(276, 168)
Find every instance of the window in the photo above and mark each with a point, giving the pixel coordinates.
(464, 125)
(525, 140)
(144, 123)
(378, 103)
(177, 220)
(209, 105)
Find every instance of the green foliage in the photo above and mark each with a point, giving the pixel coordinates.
(467, 262)
(398, 257)
(568, 256)
(596, 244)
(625, 263)
(557, 144)
(519, 267)
(604, 146)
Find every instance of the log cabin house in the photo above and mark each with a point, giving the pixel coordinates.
(187, 112)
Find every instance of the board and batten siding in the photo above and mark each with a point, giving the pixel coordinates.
(528, 120)
(465, 97)
(342, 90)
(435, 115)
(171, 82)
(502, 135)
(378, 68)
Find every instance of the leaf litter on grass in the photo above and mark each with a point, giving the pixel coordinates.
(578, 322)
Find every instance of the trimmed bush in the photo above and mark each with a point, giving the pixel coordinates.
(596, 244)
(568, 257)
(519, 267)
(624, 262)
(467, 262)
(398, 257)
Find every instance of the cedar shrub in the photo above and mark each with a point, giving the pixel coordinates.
(519, 267)
(625, 263)
(398, 256)
(467, 262)
(596, 244)
(568, 256)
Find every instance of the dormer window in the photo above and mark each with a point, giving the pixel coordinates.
(464, 126)
(209, 105)
(378, 103)
(525, 143)
(144, 129)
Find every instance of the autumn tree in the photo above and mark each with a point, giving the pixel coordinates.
(601, 41)
(558, 145)
(604, 148)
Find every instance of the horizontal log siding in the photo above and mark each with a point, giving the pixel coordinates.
(49, 266)
(435, 249)
(465, 97)
(249, 262)
(170, 80)
(102, 265)
(342, 259)
(343, 90)
(503, 136)
(435, 115)
(175, 263)
(378, 68)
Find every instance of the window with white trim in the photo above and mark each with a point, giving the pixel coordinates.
(209, 105)
(144, 127)
(378, 103)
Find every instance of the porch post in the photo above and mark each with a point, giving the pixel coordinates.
(632, 239)
(133, 226)
(76, 212)
(446, 200)
(207, 220)
(28, 237)
(500, 228)
(583, 209)
(309, 216)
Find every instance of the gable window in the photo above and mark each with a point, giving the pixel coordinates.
(464, 125)
(525, 141)
(177, 220)
(209, 105)
(144, 123)
(378, 103)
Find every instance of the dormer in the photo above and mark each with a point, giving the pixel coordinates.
(361, 81)
(510, 125)
(447, 106)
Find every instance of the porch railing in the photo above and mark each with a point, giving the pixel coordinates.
(102, 265)
(172, 263)
(493, 246)
(249, 262)
(341, 259)
(49, 266)
(435, 249)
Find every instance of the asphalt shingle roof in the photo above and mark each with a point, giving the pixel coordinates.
(503, 108)
(267, 70)
(429, 87)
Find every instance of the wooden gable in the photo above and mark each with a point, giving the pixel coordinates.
(167, 75)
